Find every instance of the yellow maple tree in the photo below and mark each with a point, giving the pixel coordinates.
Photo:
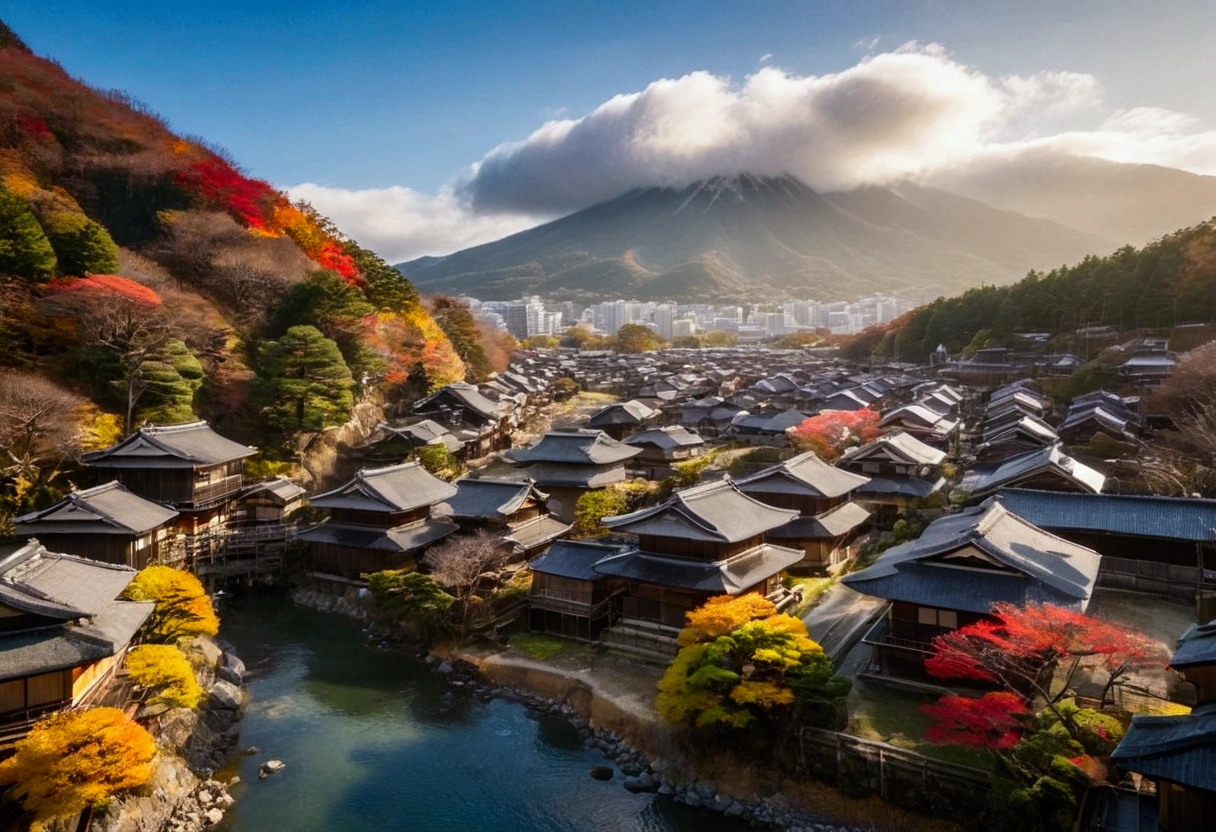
(183, 609)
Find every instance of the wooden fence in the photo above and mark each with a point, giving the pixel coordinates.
(912, 781)
(1170, 580)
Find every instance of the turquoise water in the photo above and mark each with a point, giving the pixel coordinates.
(373, 740)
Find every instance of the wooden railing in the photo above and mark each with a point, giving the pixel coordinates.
(879, 636)
(211, 492)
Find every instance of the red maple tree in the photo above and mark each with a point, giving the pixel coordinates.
(101, 284)
(994, 721)
(1020, 648)
(829, 432)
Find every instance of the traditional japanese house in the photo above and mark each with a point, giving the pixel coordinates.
(568, 463)
(568, 597)
(1013, 435)
(390, 444)
(1178, 753)
(661, 449)
(766, 427)
(189, 467)
(63, 633)
(703, 541)
(380, 519)
(474, 419)
(708, 416)
(828, 521)
(922, 422)
(621, 419)
(110, 524)
(902, 471)
(1048, 469)
(959, 567)
(514, 508)
(849, 399)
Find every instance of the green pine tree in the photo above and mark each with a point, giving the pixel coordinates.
(169, 380)
(337, 309)
(24, 248)
(82, 245)
(303, 384)
(457, 322)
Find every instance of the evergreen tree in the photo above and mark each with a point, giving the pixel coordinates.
(336, 308)
(386, 288)
(24, 249)
(169, 381)
(302, 383)
(81, 245)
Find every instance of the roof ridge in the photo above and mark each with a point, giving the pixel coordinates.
(154, 430)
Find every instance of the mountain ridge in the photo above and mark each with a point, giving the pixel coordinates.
(770, 233)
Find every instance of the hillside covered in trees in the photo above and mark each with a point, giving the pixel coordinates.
(1169, 282)
(145, 278)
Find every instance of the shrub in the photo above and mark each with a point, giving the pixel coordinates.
(77, 759)
(182, 609)
(593, 507)
(165, 670)
(439, 461)
(24, 248)
(81, 245)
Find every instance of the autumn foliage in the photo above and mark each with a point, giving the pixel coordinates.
(830, 432)
(77, 759)
(182, 609)
(994, 721)
(103, 284)
(164, 670)
(740, 662)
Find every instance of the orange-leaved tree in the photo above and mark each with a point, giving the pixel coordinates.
(77, 759)
(830, 432)
(182, 607)
(164, 670)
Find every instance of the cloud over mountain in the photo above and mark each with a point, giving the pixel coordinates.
(909, 113)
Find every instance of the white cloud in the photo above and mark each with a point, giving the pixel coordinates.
(400, 223)
(765, 58)
(907, 112)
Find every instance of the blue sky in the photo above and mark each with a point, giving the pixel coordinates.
(367, 95)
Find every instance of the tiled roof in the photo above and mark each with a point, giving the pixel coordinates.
(407, 538)
(621, 413)
(573, 559)
(1035, 463)
(105, 509)
(391, 489)
(1168, 518)
(836, 521)
(1180, 749)
(577, 447)
(900, 444)
(182, 446)
(667, 438)
(716, 511)
(32, 652)
(1196, 647)
(490, 497)
(806, 474)
(36, 581)
(536, 532)
(729, 577)
(1016, 562)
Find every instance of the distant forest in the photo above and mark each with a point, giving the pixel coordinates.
(1169, 282)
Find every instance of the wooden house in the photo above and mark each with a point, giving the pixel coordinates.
(569, 463)
(828, 520)
(620, 419)
(380, 519)
(1047, 469)
(63, 633)
(474, 419)
(390, 444)
(708, 416)
(661, 449)
(1178, 753)
(568, 597)
(902, 470)
(764, 427)
(703, 541)
(189, 467)
(959, 567)
(110, 524)
(1013, 435)
(514, 508)
(921, 421)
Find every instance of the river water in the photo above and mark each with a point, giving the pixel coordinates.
(373, 740)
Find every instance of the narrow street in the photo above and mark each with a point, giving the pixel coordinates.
(841, 619)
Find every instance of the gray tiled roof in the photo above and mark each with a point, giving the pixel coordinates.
(490, 498)
(39, 582)
(105, 509)
(730, 576)
(1180, 749)
(1196, 647)
(164, 446)
(465, 394)
(1033, 464)
(407, 538)
(805, 473)
(573, 559)
(834, 522)
(903, 446)
(75, 645)
(536, 532)
(575, 447)
(666, 438)
(1169, 518)
(716, 511)
(1024, 565)
(391, 489)
(915, 487)
(631, 412)
(281, 488)
(556, 475)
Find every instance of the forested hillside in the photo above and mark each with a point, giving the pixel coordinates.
(144, 277)
(1169, 282)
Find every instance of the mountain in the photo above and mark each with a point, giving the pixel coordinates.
(727, 237)
(1127, 202)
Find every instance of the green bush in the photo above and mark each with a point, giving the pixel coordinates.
(24, 249)
(81, 245)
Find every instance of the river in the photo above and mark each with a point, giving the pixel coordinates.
(373, 740)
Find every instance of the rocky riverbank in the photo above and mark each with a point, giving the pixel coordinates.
(184, 794)
(638, 770)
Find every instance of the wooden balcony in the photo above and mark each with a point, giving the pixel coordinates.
(214, 492)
